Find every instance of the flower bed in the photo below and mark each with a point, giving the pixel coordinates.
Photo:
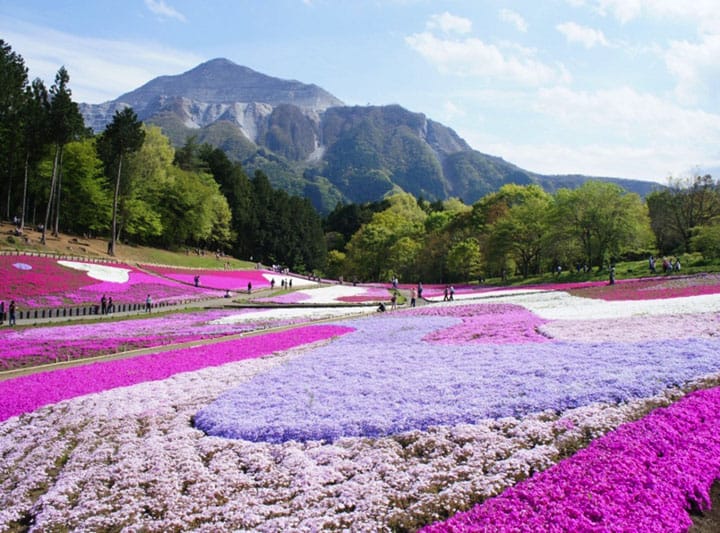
(233, 280)
(333, 294)
(42, 282)
(50, 387)
(409, 419)
(641, 477)
(28, 347)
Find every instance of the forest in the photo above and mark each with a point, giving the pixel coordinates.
(130, 184)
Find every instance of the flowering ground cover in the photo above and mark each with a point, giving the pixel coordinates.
(42, 282)
(26, 347)
(233, 280)
(50, 387)
(502, 408)
(671, 286)
(332, 294)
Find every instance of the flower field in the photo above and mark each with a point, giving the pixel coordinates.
(233, 280)
(45, 282)
(592, 409)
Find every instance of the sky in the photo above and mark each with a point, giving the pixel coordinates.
(616, 88)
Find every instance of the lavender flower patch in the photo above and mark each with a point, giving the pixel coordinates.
(384, 379)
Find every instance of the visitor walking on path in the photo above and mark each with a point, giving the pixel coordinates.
(11, 312)
(148, 304)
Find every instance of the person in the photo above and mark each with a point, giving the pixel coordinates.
(249, 287)
(452, 293)
(148, 304)
(413, 295)
(2, 312)
(272, 283)
(197, 280)
(446, 294)
(420, 289)
(393, 301)
(11, 313)
(677, 264)
(381, 308)
(110, 305)
(651, 264)
(612, 274)
(227, 293)
(103, 305)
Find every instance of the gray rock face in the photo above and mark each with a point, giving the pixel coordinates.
(216, 90)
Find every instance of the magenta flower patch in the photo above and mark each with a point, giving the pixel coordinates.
(27, 393)
(642, 477)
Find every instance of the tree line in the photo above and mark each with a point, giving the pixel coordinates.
(522, 230)
(130, 184)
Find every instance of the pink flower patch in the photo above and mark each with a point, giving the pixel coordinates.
(487, 324)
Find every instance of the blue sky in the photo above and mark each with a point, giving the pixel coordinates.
(623, 88)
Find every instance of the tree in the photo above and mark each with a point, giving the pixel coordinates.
(522, 231)
(123, 136)
(64, 123)
(88, 196)
(677, 210)
(35, 125)
(603, 218)
(13, 83)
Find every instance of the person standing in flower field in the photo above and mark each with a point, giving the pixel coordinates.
(148, 304)
(11, 312)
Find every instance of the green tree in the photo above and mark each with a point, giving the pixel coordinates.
(464, 260)
(677, 210)
(603, 218)
(145, 178)
(384, 246)
(87, 196)
(13, 83)
(522, 231)
(65, 124)
(35, 126)
(124, 135)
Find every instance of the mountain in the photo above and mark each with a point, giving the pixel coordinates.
(311, 144)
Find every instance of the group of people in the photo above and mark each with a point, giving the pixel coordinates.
(668, 264)
(106, 305)
(11, 311)
(449, 294)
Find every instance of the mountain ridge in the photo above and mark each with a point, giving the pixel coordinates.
(311, 144)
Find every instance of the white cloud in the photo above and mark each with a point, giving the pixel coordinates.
(473, 57)
(703, 12)
(696, 69)
(588, 37)
(514, 18)
(100, 69)
(160, 8)
(616, 133)
(448, 23)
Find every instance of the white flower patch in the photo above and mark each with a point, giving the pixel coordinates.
(285, 313)
(325, 295)
(100, 272)
(559, 305)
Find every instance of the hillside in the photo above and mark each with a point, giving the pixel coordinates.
(95, 248)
